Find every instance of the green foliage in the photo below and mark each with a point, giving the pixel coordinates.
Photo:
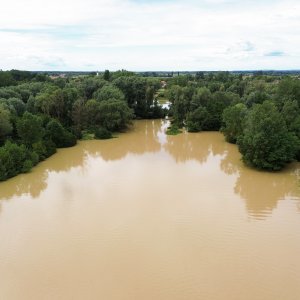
(30, 129)
(92, 113)
(18, 105)
(5, 124)
(38, 113)
(15, 159)
(233, 118)
(102, 134)
(173, 130)
(59, 135)
(6, 79)
(27, 166)
(90, 85)
(288, 89)
(134, 89)
(87, 135)
(114, 115)
(108, 92)
(197, 119)
(106, 75)
(266, 142)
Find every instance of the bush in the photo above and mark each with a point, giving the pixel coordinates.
(15, 159)
(197, 119)
(173, 130)
(59, 135)
(27, 166)
(103, 134)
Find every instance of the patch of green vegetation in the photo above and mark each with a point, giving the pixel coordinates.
(103, 134)
(161, 97)
(173, 130)
(162, 100)
(86, 135)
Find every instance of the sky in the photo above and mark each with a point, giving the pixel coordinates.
(149, 35)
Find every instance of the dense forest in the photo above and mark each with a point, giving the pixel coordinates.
(260, 113)
(39, 113)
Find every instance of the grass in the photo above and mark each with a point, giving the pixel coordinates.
(173, 130)
(87, 136)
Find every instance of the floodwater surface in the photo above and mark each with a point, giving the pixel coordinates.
(147, 216)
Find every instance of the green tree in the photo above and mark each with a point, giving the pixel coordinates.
(266, 142)
(196, 120)
(108, 92)
(18, 105)
(114, 115)
(291, 115)
(78, 115)
(59, 135)
(30, 129)
(106, 75)
(5, 124)
(15, 159)
(92, 113)
(233, 118)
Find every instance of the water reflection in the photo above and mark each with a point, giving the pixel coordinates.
(124, 211)
(32, 183)
(142, 138)
(261, 190)
(139, 140)
(194, 146)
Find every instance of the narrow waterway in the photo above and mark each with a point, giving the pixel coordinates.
(147, 216)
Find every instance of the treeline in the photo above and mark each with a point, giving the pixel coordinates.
(261, 114)
(39, 115)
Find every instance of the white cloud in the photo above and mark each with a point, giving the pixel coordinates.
(149, 35)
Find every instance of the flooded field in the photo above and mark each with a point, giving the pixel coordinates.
(147, 216)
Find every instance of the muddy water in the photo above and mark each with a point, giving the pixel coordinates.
(150, 216)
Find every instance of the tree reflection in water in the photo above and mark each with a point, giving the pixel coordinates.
(261, 190)
(139, 140)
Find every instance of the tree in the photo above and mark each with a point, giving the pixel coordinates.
(266, 142)
(219, 101)
(106, 75)
(18, 105)
(291, 115)
(5, 124)
(91, 111)
(233, 118)
(30, 129)
(114, 115)
(15, 159)
(90, 85)
(59, 135)
(134, 89)
(108, 92)
(149, 97)
(201, 97)
(197, 119)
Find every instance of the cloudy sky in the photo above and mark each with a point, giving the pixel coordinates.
(149, 35)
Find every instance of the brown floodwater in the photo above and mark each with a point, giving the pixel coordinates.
(147, 216)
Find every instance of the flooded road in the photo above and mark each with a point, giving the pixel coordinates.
(149, 216)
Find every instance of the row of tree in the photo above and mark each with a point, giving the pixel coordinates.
(38, 115)
(261, 114)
